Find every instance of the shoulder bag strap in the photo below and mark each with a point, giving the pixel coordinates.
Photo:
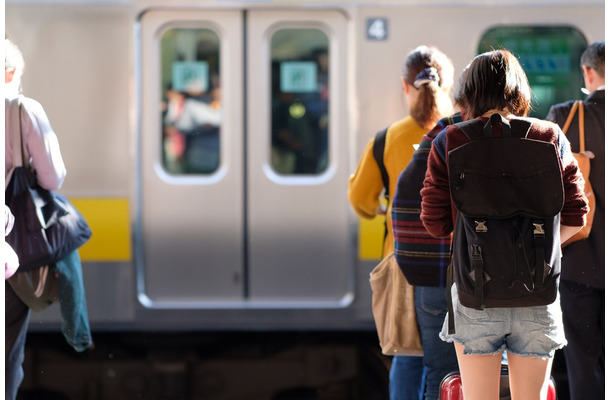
(578, 104)
(581, 125)
(17, 142)
(16, 138)
(566, 124)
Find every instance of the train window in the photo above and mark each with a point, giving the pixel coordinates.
(191, 117)
(550, 57)
(299, 101)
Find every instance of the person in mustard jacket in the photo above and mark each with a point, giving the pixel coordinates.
(427, 77)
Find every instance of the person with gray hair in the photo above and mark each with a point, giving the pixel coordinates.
(41, 152)
(13, 68)
(582, 287)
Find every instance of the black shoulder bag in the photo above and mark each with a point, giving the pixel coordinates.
(47, 228)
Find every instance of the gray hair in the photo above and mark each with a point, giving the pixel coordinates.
(13, 59)
(12, 56)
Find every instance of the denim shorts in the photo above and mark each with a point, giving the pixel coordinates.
(524, 331)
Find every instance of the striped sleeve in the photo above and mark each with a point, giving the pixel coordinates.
(422, 258)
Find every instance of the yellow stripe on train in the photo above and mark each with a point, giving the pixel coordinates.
(370, 238)
(109, 221)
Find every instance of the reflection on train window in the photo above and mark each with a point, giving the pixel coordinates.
(299, 101)
(191, 116)
(550, 57)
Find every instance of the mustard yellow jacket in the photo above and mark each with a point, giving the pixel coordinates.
(366, 185)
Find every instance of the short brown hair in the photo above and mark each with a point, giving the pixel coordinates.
(494, 80)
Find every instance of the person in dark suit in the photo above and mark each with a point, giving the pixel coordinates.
(582, 274)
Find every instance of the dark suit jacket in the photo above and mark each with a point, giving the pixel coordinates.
(583, 261)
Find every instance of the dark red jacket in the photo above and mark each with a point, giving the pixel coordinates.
(438, 212)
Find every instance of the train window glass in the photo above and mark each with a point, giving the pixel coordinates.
(191, 117)
(550, 57)
(299, 101)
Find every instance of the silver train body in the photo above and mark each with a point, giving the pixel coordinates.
(259, 240)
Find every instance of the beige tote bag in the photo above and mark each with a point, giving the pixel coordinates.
(394, 310)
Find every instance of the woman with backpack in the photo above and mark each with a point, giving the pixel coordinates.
(494, 83)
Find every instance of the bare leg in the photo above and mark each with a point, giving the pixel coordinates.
(480, 374)
(529, 377)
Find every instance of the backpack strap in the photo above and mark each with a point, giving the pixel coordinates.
(449, 284)
(578, 104)
(520, 127)
(540, 269)
(476, 255)
(475, 129)
(378, 150)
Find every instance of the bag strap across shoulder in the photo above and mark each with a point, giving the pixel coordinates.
(378, 150)
(578, 104)
(472, 128)
(14, 128)
(17, 142)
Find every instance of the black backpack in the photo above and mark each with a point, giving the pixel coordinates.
(508, 192)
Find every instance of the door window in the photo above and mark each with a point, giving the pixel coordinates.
(550, 57)
(190, 107)
(299, 101)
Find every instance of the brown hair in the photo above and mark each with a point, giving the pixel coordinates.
(494, 80)
(430, 72)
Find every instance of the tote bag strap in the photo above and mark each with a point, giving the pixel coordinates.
(14, 129)
(17, 135)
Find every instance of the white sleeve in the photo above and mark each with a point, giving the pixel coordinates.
(42, 145)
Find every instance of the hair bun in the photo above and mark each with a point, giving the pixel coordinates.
(429, 74)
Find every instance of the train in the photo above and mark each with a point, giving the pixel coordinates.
(209, 145)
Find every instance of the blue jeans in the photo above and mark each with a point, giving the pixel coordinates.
(535, 331)
(406, 378)
(439, 356)
(16, 321)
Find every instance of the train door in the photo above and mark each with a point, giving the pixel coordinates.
(297, 166)
(242, 160)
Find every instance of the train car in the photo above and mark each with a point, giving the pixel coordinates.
(209, 145)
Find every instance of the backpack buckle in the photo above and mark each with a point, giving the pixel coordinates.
(538, 229)
(480, 226)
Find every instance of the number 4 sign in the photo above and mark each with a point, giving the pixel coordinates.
(377, 28)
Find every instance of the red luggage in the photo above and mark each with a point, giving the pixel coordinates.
(451, 387)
